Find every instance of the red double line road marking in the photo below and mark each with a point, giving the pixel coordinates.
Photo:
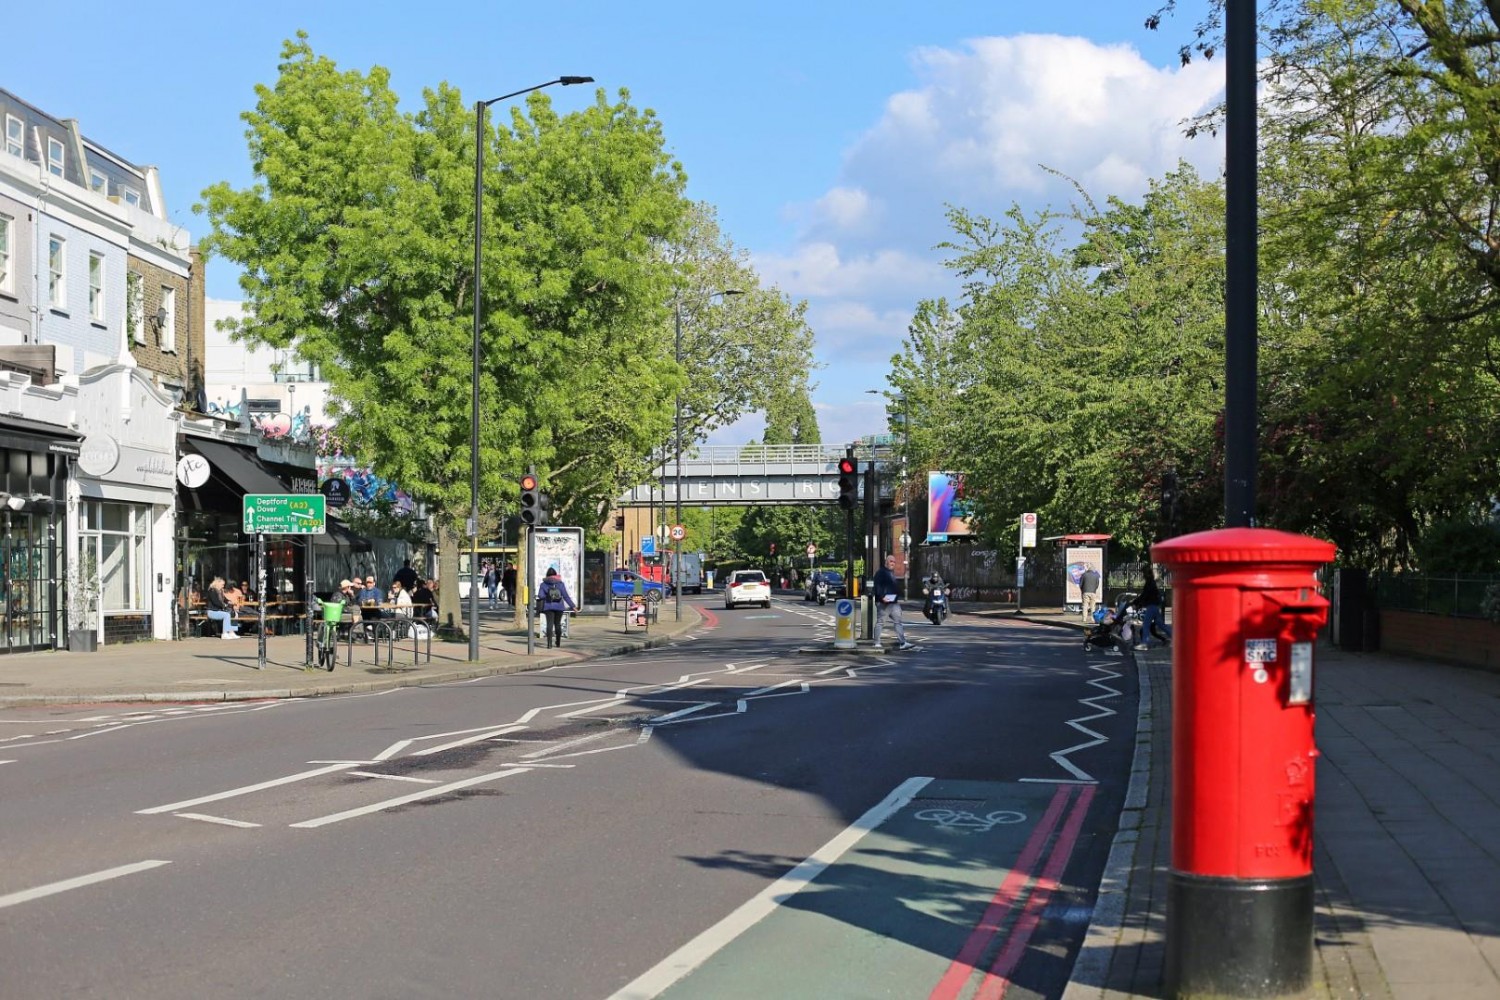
(963, 967)
(997, 981)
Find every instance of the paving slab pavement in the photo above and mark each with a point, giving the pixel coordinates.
(1406, 857)
(215, 669)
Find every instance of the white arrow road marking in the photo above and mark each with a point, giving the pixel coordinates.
(395, 777)
(27, 895)
(426, 793)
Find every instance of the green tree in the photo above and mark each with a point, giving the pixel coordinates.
(356, 242)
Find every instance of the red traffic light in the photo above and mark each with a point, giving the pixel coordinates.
(528, 482)
(846, 466)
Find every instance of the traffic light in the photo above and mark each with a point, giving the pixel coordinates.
(533, 502)
(848, 482)
(620, 522)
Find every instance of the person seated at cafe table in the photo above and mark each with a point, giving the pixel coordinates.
(370, 594)
(219, 608)
(424, 599)
(401, 599)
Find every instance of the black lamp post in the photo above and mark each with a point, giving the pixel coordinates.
(479, 109)
(677, 542)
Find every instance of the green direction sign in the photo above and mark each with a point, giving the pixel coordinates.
(286, 514)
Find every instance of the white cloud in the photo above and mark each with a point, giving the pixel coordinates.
(981, 129)
(820, 268)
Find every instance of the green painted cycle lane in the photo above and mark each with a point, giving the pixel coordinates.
(936, 896)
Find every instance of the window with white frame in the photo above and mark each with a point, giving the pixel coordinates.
(135, 307)
(15, 136)
(7, 282)
(96, 287)
(130, 195)
(98, 182)
(56, 156)
(116, 536)
(168, 331)
(57, 273)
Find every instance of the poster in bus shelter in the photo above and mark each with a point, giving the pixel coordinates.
(946, 510)
(1081, 560)
(560, 549)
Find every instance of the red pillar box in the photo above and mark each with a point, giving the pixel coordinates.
(1246, 611)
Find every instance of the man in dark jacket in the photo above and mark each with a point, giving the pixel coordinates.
(508, 581)
(888, 603)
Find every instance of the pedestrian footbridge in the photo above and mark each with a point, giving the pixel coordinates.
(729, 475)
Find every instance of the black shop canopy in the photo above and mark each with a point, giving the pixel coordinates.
(238, 469)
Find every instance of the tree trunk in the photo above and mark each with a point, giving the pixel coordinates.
(452, 606)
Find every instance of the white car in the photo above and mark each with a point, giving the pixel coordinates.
(747, 586)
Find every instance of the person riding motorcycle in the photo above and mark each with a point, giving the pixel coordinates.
(930, 586)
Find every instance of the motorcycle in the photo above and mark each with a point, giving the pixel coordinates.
(936, 606)
(822, 590)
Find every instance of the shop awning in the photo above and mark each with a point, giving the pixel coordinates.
(235, 467)
(339, 536)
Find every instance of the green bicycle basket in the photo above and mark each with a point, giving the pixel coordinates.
(333, 611)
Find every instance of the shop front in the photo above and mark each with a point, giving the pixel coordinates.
(125, 509)
(34, 466)
(228, 464)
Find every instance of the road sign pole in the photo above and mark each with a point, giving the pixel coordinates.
(260, 587)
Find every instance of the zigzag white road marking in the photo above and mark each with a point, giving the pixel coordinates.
(1100, 712)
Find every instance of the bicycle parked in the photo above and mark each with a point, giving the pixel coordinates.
(327, 647)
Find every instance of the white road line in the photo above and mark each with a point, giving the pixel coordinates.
(476, 738)
(580, 741)
(395, 777)
(27, 895)
(222, 821)
(7, 762)
(700, 706)
(111, 729)
(246, 790)
(426, 793)
(701, 948)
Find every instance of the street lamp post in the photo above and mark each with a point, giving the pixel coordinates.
(479, 109)
(677, 542)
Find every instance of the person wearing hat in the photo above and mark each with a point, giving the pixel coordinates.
(555, 601)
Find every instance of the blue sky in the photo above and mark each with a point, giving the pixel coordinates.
(829, 135)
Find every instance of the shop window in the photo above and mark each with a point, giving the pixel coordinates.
(115, 535)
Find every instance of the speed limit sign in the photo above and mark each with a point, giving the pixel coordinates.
(679, 532)
(812, 550)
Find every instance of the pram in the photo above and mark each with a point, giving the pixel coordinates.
(1116, 627)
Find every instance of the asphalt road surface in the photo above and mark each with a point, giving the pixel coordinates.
(733, 815)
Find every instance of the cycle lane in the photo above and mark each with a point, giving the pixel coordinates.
(937, 892)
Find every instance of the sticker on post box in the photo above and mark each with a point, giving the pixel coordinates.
(1260, 650)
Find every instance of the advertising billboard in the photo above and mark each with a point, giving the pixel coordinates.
(946, 511)
(560, 549)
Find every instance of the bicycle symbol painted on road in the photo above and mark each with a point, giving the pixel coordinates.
(959, 819)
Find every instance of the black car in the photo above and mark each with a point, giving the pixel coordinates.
(834, 579)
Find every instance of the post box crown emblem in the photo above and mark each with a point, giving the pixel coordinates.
(1239, 545)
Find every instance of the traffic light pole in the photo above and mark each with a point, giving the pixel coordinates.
(872, 553)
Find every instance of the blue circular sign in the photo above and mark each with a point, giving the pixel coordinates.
(844, 606)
